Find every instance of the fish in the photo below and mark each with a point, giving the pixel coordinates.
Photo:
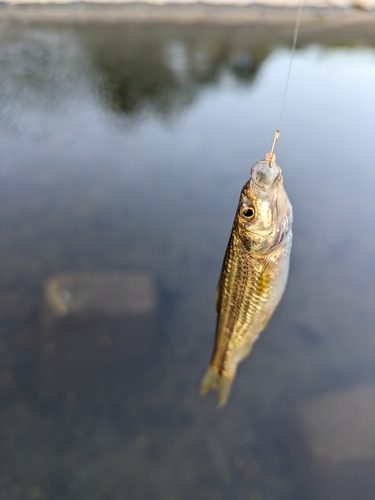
(254, 273)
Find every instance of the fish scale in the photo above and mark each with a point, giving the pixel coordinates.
(248, 278)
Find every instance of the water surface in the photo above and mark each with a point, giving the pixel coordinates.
(125, 148)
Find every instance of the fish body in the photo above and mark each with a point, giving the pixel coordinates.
(253, 275)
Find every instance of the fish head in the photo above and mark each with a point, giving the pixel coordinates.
(264, 213)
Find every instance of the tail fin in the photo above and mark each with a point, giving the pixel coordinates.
(222, 383)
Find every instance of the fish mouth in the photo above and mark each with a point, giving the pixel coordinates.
(264, 175)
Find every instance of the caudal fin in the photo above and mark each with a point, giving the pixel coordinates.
(214, 380)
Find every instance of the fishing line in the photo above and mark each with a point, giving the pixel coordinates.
(295, 36)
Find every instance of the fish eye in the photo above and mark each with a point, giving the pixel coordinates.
(248, 212)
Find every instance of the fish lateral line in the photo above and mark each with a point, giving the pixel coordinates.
(259, 286)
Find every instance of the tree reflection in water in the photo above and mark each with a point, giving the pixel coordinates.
(163, 68)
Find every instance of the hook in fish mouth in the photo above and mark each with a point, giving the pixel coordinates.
(265, 175)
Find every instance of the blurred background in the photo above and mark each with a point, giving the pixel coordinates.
(126, 135)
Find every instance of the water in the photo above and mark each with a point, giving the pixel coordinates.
(124, 148)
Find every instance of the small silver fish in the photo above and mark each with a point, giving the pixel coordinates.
(254, 273)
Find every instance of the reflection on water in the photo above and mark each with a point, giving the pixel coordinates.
(123, 150)
(163, 73)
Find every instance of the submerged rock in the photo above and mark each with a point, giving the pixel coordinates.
(95, 328)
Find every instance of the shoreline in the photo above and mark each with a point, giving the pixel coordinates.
(188, 13)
